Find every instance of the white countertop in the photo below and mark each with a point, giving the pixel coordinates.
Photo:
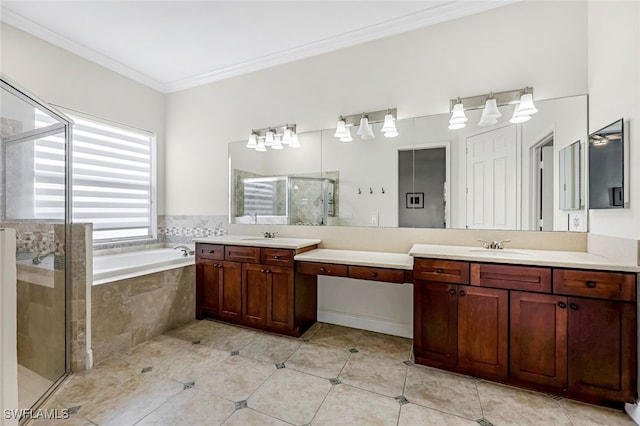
(358, 258)
(247, 240)
(562, 259)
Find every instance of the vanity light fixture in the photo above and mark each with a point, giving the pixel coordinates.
(275, 137)
(458, 118)
(489, 103)
(365, 121)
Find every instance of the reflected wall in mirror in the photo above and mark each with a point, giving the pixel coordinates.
(505, 176)
(606, 167)
(570, 177)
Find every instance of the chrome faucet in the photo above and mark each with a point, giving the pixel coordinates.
(268, 234)
(494, 245)
(40, 256)
(186, 251)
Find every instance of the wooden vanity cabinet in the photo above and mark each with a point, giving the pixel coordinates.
(570, 332)
(252, 288)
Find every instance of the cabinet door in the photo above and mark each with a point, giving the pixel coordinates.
(230, 290)
(483, 330)
(435, 323)
(539, 339)
(254, 293)
(602, 349)
(280, 300)
(206, 287)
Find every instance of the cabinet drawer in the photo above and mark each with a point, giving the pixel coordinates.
(313, 268)
(603, 285)
(447, 271)
(511, 277)
(242, 254)
(210, 251)
(376, 274)
(276, 257)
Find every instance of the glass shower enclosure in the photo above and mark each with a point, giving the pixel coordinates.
(34, 200)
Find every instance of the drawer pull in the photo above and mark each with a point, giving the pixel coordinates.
(591, 284)
(452, 291)
(374, 274)
(439, 271)
(562, 305)
(462, 293)
(217, 265)
(276, 257)
(574, 306)
(211, 251)
(323, 269)
(268, 271)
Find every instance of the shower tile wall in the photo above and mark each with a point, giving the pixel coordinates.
(182, 229)
(81, 280)
(128, 312)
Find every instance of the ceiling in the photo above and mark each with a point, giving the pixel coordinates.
(174, 45)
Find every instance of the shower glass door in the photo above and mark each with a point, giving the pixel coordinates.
(34, 202)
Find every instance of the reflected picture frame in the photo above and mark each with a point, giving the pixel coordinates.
(415, 200)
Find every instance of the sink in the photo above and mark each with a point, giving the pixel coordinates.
(499, 253)
(257, 239)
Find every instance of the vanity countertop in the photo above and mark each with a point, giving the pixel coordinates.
(358, 258)
(246, 240)
(561, 259)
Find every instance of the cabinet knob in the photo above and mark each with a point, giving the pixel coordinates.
(591, 284)
(268, 271)
(276, 257)
(574, 306)
(439, 271)
(263, 270)
(562, 305)
(211, 251)
(323, 269)
(374, 274)
(462, 293)
(452, 291)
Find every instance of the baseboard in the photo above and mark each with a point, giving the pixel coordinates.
(633, 410)
(366, 323)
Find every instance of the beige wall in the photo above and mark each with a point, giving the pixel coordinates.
(614, 93)
(542, 44)
(63, 78)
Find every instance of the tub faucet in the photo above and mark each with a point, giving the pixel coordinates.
(40, 256)
(186, 251)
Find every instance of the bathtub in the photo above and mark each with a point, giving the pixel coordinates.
(120, 266)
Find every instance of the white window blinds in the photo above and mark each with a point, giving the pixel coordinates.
(113, 179)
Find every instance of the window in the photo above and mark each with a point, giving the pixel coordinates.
(113, 179)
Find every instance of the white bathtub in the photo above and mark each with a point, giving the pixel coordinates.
(120, 266)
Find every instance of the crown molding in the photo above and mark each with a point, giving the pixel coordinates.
(430, 16)
(76, 48)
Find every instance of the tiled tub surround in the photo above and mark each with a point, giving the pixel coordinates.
(213, 373)
(127, 312)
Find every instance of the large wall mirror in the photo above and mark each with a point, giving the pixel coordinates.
(506, 176)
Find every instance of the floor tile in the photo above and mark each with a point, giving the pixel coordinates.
(74, 420)
(195, 361)
(346, 405)
(505, 405)
(131, 401)
(591, 415)
(375, 374)
(236, 378)
(443, 391)
(249, 417)
(336, 335)
(411, 415)
(190, 407)
(270, 348)
(81, 388)
(224, 337)
(311, 331)
(319, 360)
(290, 396)
(158, 353)
(386, 346)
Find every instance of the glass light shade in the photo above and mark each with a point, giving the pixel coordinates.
(261, 147)
(490, 111)
(348, 137)
(365, 131)
(277, 143)
(391, 133)
(389, 125)
(286, 137)
(489, 122)
(341, 129)
(456, 126)
(458, 115)
(253, 141)
(295, 143)
(526, 106)
(518, 117)
(269, 140)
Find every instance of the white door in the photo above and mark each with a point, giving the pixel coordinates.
(492, 179)
(546, 189)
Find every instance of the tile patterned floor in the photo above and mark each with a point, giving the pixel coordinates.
(210, 373)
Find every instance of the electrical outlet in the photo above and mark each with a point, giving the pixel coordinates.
(374, 219)
(576, 222)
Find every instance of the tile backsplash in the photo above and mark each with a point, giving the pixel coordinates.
(182, 229)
